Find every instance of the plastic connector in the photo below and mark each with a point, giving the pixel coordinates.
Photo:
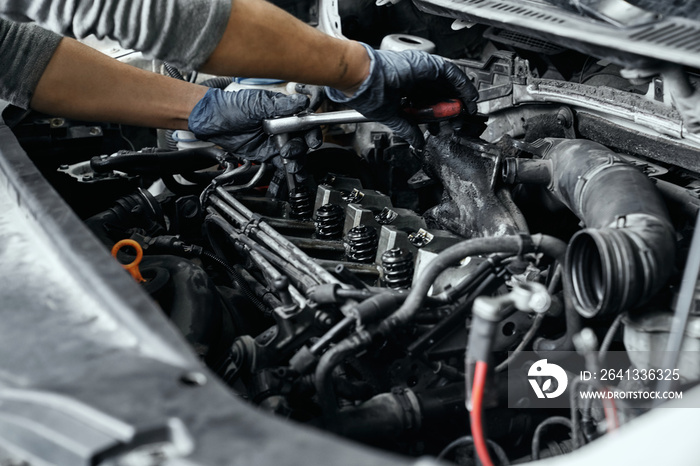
(526, 297)
(303, 361)
(325, 294)
(377, 307)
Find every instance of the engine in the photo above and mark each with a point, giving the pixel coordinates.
(425, 303)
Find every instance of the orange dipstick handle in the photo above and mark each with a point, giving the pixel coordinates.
(133, 267)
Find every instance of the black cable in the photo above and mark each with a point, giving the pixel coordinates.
(604, 347)
(121, 134)
(536, 323)
(240, 281)
(572, 401)
(609, 336)
(468, 285)
(546, 423)
(545, 347)
(527, 338)
(468, 441)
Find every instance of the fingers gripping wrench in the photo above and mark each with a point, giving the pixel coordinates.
(285, 125)
(280, 128)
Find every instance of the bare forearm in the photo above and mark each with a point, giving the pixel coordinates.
(260, 40)
(263, 41)
(82, 83)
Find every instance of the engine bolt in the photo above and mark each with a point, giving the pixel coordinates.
(329, 221)
(397, 265)
(361, 244)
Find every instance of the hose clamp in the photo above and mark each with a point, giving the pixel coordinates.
(252, 224)
(408, 401)
(526, 244)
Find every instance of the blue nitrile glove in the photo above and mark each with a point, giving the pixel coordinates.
(233, 120)
(393, 75)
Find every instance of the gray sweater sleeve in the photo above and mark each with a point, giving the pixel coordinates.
(183, 32)
(25, 50)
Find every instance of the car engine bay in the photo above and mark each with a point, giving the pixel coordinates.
(389, 295)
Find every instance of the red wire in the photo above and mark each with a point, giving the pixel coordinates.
(610, 411)
(475, 415)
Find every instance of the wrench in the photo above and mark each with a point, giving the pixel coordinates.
(280, 128)
(284, 125)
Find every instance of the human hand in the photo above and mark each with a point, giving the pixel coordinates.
(233, 120)
(394, 75)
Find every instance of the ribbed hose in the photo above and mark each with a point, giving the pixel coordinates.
(627, 251)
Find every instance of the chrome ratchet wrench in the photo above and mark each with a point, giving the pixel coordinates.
(280, 128)
(440, 111)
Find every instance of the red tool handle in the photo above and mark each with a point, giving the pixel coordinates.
(436, 112)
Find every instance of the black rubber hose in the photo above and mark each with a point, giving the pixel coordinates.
(160, 161)
(324, 372)
(204, 177)
(537, 322)
(181, 189)
(468, 441)
(368, 311)
(189, 298)
(551, 246)
(526, 171)
(554, 420)
(573, 326)
(382, 418)
(140, 210)
(626, 252)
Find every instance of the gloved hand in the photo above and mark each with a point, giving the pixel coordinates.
(233, 120)
(393, 75)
